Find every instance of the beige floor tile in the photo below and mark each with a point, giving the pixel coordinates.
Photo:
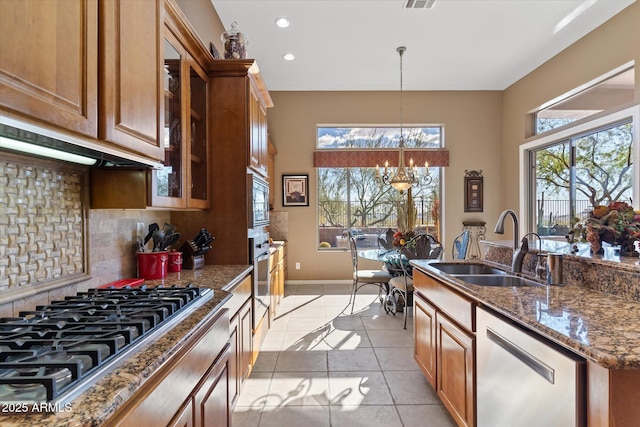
(298, 389)
(358, 388)
(316, 310)
(380, 322)
(302, 361)
(365, 416)
(410, 388)
(245, 417)
(273, 341)
(359, 359)
(336, 300)
(425, 416)
(311, 289)
(279, 322)
(293, 416)
(304, 340)
(333, 311)
(307, 323)
(371, 308)
(396, 358)
(347, 323)
(337, 289)
(255, 390)
(390, 338)
(338, 339)
(266, 361)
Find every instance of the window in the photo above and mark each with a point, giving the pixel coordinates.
(611, 91)
(585, 170)
(349, 197)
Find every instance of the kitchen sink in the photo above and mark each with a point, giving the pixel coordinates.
(466, 268)
(496, 280)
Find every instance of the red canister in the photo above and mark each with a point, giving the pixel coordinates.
(175, 261)
(153, 265)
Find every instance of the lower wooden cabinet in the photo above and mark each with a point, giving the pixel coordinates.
(190, 387)
(425, 338)
(455, 370)
(444, 345)
(211, 400)
(241, 341)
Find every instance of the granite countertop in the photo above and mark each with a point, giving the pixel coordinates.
(601, 327)
(103, 399)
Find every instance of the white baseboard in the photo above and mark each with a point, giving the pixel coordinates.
(318, 282)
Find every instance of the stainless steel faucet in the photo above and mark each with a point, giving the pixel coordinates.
(500, 230)
(539, 267)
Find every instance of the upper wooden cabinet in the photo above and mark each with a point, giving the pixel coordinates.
(131, 88)
(241, 100)
(88, 67)
(183, 181)
(48, 62)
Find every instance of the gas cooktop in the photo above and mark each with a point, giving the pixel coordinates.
(55, 352)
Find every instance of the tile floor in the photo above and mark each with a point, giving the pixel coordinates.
(320, 365)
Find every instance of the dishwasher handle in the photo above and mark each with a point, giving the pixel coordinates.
(538, 366)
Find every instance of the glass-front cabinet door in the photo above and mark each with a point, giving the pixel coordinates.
(198, 131)
(183, 181)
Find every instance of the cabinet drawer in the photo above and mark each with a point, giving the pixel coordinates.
(241, 294)
(457, 307)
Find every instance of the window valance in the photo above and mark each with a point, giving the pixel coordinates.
(370, 158)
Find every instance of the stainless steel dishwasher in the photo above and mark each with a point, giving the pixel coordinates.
(524, 381)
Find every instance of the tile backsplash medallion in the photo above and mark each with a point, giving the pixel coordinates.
(41, 234)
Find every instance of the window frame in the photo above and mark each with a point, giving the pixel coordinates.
(527, 199)
(435, 170)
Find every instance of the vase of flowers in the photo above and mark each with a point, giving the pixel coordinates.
(616, 224)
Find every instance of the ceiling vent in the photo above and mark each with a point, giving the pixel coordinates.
(419, 4)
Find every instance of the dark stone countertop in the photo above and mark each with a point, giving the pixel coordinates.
(598, 326)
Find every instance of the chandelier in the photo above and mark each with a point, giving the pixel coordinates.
(403, 177)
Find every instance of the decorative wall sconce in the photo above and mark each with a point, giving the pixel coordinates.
(473, 189)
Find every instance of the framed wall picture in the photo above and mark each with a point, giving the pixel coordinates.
(473, 189)
(295, 190)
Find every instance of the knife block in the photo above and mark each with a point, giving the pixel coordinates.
(191, 261)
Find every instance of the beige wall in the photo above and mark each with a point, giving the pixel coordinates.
(472, 126)
(483, 130)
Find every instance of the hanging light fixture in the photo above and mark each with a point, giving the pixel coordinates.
(403, 178)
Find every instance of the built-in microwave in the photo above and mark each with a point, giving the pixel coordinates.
(258, 201)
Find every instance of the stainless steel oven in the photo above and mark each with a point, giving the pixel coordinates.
(261, 275)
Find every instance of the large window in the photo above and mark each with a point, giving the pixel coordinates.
(587, 153)
(586, 170)
(350, 198)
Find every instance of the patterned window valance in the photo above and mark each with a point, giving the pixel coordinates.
(371, 158)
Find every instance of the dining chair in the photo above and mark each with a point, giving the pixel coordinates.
(422, 246)
(460, 246)
(361, 278)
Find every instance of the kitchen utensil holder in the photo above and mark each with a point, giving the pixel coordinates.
(191, 261)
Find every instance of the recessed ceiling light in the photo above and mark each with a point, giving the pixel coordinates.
(289, 56)
(282, 22)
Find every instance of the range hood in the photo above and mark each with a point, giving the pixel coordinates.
(41, 142)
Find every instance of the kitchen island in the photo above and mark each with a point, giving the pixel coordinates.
(595, 315)
(120, 385)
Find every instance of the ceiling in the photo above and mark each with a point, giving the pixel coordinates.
(456, 45)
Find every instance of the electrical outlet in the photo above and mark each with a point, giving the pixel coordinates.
(140, 229)
(297, 266)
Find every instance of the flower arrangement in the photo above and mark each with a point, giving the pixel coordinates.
(616, 224)
(402, 237)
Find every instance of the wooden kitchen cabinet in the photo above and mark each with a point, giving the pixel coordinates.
(211, 401)
(455, 369)
(183, 182)
(425, 338)
(194, 379)
(49, 62)
(444, 345)
(92, 68)
(241, 341)
(131, 86)
(258, 143)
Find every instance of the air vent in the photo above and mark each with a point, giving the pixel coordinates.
(419, 4)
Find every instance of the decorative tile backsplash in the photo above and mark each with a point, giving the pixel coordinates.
(42, 229)
(41, 224)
